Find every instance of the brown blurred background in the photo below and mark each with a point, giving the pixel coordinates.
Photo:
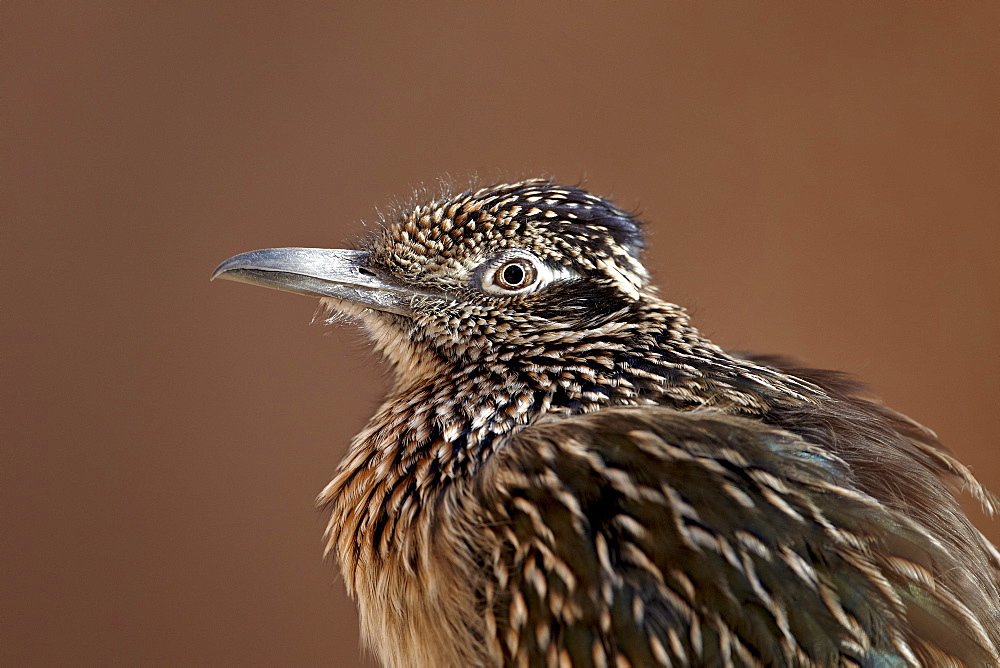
(820, 181)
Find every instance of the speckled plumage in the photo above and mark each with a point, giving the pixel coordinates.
(566, 472)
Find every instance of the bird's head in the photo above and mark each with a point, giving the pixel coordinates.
(504, 268)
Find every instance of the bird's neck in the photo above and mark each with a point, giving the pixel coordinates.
(432, 435)
(653, 356)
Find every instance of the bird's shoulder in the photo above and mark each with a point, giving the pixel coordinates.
(666, 537)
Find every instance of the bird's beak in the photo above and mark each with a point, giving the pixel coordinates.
(318, 272)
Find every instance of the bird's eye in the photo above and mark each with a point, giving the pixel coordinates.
(511, 275)
(519, 272)
(515, 274)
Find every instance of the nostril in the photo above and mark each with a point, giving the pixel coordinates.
(366, 272)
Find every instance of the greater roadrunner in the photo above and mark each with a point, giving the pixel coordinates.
(566, 472)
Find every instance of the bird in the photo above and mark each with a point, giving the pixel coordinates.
(566, 472)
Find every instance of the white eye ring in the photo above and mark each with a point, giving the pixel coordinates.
(518, 273)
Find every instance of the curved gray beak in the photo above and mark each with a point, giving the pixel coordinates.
(318, 272)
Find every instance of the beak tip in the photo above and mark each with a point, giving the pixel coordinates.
(241, 261)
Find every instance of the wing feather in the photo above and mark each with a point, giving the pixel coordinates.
(648, 536)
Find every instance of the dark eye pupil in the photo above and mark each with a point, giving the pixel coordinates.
(513, 274)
